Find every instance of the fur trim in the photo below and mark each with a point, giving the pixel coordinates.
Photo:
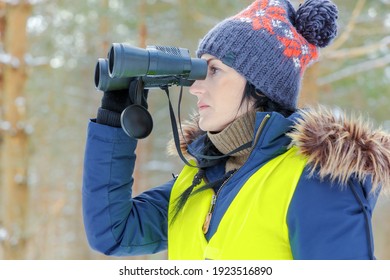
(338, 146)
(342, 146)
(191, 131)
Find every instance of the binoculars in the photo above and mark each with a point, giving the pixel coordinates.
(157, 66)
(153, 67)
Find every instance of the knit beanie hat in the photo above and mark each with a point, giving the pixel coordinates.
(271, 44)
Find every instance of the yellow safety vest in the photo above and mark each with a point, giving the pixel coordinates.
(254, 225)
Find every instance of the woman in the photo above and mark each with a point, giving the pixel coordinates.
(266, 181)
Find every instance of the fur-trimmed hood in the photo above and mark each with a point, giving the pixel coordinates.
(340, 146)
(336, 145)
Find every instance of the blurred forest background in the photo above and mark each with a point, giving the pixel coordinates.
(48, 51)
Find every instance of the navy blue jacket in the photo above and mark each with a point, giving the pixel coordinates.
(329, 216)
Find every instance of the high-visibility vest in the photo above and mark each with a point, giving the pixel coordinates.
(253, 227)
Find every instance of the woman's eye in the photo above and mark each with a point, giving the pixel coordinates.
(213, 70)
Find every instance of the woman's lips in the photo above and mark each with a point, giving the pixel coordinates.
(202, 106)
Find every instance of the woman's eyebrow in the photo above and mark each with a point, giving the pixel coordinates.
(211, 59)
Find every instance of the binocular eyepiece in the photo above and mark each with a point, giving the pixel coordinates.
(153, 67)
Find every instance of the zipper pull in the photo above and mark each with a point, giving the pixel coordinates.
(206, 223)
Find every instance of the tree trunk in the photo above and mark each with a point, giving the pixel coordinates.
(309, 90)
(142, 29)
(14, 153)
(104, 26)
(143, 146)
(2, 28)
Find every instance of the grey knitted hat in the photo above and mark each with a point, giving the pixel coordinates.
(271, 44)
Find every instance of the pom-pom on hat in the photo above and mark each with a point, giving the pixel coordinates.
(271, 44)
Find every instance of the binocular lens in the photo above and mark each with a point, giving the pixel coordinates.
(104, 82)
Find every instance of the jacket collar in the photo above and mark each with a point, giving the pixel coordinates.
(337, 146)
(270, 129)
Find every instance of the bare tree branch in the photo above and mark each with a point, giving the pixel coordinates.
(355, 69)
(359, 51)
(348, 30)
(18, 2)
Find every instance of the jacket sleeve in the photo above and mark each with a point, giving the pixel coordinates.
(115, 223)
(329, 221)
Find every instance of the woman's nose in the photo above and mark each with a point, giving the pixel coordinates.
(196, 88)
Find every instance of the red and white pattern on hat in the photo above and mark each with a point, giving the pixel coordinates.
(271, 15)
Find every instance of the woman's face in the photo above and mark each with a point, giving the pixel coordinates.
(219, 96)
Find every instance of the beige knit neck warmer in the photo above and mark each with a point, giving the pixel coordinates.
(236, 134)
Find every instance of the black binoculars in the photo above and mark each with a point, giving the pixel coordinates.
(157, 66)
(153, 67)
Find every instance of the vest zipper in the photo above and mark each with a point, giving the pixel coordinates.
(206, 224)
(207, 221)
